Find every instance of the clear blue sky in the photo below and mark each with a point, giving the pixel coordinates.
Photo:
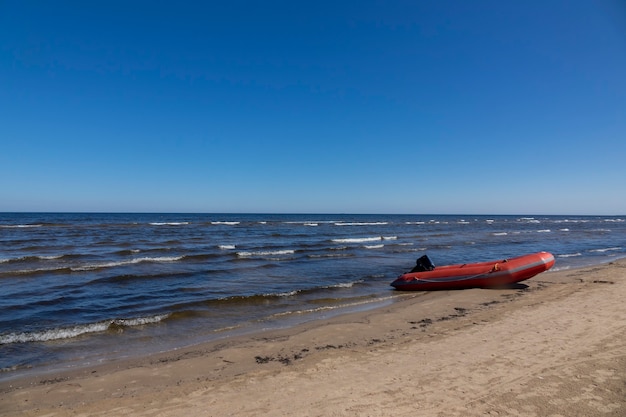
(467, 107)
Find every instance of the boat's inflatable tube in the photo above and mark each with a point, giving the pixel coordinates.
(482, 274)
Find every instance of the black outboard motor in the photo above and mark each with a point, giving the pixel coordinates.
(422, 264)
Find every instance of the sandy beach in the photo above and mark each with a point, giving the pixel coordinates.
(555, 346)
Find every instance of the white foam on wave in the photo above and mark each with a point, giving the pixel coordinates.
(50, 257)
(571, 221)
(525, 219)
(569, 255)
(305, 222)
(374, 246)
(19, 226)
(32, 271)
(329, 255)
(361, 223)
(282, 294)
(31, 258)
(560, 268)
(169, 223)
(225, 223)
(344, 284)
(139, 321)
(606, 249)
(127, 262)
(357, 239)
(544, 231)
(226, 247)
(265, 253)
(500, 233)
(75, 331)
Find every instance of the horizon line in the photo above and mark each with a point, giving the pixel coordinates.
(305, 213)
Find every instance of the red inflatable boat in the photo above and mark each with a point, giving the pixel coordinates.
(483, 274)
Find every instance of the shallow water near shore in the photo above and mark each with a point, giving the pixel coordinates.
(88, 288)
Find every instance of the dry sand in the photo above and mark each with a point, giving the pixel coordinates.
(553, 347)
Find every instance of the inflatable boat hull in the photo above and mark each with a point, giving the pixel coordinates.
(476, 275)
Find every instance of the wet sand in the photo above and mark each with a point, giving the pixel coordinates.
(554, 346)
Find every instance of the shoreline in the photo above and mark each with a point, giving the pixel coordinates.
(526, 349)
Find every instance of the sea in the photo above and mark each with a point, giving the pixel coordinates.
(78, 289)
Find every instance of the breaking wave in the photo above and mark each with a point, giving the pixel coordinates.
(265, 253)
(19, 226)
(605, 249)
(361, 223)
(127, 262)
(78, 330)
(357, 239)
(31, 258)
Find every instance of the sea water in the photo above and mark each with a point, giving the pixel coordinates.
(84, 288)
